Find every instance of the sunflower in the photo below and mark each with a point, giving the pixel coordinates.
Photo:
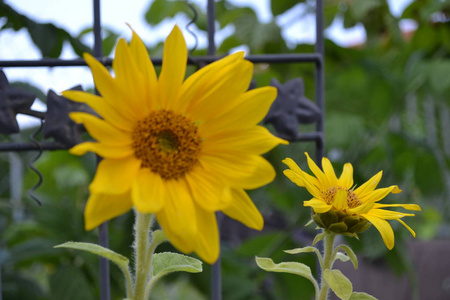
(179, 149)
(341, 208)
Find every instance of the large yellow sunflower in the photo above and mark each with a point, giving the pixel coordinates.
(181, 149)
(339, 207)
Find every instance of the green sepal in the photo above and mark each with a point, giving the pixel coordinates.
(116, 258)
(351, 255)
(361, 296)
(296, 268)
(338, 283)
(338, 227)
(318, 221)
(319, 237)
(328, 217)
(360, 227)
(168, 262)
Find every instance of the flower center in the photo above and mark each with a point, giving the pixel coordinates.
(352, 198)
(167, 143)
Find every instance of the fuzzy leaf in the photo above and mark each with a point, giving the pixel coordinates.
(342, 257)
(350, 254)
(338, 283)
(167, 262)
(296, 268)
(116, 258)
(306, 250)
(361, 296)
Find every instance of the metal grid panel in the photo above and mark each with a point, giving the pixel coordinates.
(316, 58)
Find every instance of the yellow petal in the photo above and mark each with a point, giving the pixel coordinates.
(207, 242)
(104, 207)
(251, 107)
(407, 227)
(294, 177)
(111, 90)
(329, 172)
(115, 176)
(102, 150)
(177, 217)
(340, 200)
(318, 205)
(101, 130)
(295, 168)
(362, 209)
(316, 170)
(255, 139)
(369, 185)
(224, 93)
(388, 214)
(146, 68)
(130, 81)
(405, 206)
(207, 189)
(346, 179)
(200, 81)
(242, 209)
(240, 170)
(103, 108)
(384, 228)
(378, 194)
(148, 191)
(173, 68)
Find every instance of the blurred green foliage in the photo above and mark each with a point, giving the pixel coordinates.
(386, 109)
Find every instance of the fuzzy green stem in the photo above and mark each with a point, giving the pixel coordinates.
(142, 241)
(328, 259)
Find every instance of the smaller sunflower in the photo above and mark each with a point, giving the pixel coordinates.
(341, 208)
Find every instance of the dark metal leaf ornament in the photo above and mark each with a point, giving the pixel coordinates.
(291, 108)
(58, 125)
(12, 101)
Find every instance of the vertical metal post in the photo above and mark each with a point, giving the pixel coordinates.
(320, 81)
(103, 228)
(216, 276)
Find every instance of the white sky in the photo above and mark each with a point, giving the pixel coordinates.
(75, 16)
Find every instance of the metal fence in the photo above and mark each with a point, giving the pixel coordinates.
(316, 58)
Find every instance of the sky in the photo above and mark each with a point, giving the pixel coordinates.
(74, 16)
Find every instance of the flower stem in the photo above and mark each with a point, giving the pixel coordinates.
(328, 259)
(142, 241)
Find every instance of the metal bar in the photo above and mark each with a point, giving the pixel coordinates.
(216, 268)
(31, 147)
(103, 228)
(320, 81)
(107, 61)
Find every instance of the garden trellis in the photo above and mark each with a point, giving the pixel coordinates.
(14, 101)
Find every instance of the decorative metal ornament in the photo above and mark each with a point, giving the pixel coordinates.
(291, 108)
(12, 101)
(57, 124)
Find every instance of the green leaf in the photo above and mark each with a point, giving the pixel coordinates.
(361, 296)
(308, 249)
(162, 9)
(280, 6)
(158, 237)
(296, 268)
(319, 237)
(351, 255)
(338, 283)
(116, 258)
(168, 262)
(342, 257)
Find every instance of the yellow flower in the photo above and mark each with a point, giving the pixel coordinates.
(181, 149)
(337, 198)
